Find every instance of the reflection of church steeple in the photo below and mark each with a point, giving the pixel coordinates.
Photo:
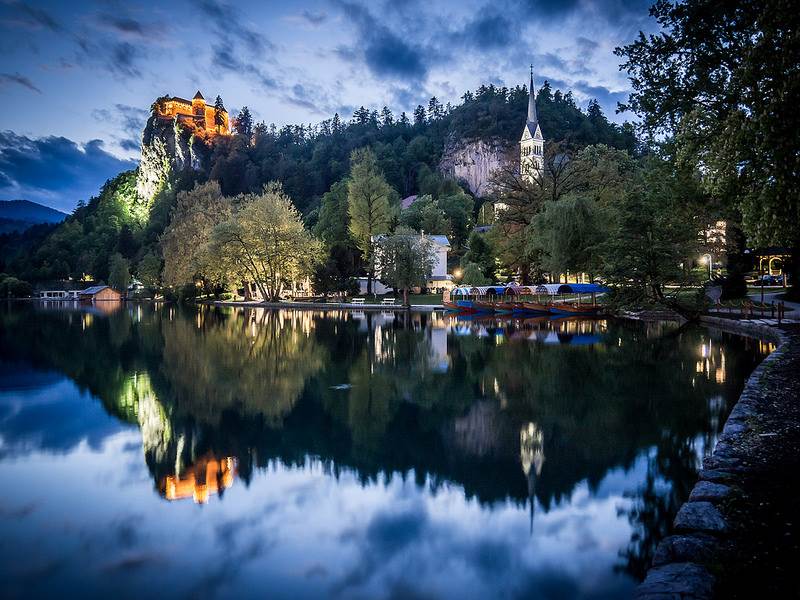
(531, 455)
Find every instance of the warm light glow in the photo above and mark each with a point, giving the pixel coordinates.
(206, 477)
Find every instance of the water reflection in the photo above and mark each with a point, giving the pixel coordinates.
(389, 440)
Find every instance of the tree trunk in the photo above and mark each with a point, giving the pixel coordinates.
(405, 298)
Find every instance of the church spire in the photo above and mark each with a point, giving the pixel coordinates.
(532, 102)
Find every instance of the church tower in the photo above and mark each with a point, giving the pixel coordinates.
(531, 144)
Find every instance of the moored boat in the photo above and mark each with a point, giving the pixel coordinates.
(574, 309)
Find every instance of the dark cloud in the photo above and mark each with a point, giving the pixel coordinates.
(131, 27)
(16, 78)
(225, 58)
(55, 170)
(383, 51)
(33, 17)
(130, 120)
(315, 18)
(230, 26)
(490, 30)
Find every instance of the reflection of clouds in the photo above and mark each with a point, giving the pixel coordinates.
(56, 417)
(306, 532)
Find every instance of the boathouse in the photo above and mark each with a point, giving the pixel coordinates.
(100, 293)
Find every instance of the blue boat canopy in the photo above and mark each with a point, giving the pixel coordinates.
(554, 289)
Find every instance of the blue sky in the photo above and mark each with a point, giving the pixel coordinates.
(77, 78)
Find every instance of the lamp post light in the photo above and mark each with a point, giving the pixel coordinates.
(710, 263)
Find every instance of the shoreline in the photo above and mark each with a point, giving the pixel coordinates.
(716, 526)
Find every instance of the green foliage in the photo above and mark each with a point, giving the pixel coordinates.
(337, 273)
(405, 260)
(473, 275)
(480, 253)
(11, 287)
(368, 204)
(264, 241)
(184, 244)
(333, 223)
(149, 270)
(569, 233)
(654, 234)
(119, 272)
(720, 84)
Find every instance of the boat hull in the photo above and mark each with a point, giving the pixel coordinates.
(566, 309)
(536, 307)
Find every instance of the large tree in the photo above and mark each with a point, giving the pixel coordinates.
(369, 207)
(406, 260)
(265, 242)
(720, 80)
(184, 244)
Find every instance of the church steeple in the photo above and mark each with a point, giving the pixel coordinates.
(531, 144)
(532, 103)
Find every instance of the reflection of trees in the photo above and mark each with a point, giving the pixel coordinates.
(380, 394)
(255, 362)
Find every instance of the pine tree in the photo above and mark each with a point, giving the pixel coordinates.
(219, 108)
(419, 116)
(243, 125)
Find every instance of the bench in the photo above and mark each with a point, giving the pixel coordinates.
(359, 301)
(387, 302)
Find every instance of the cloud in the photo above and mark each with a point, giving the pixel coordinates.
(490, 30)
(383, 51)
(129, 120)
(16, 78)
(55, 170)
(130, 27)
(314, 18)
(33, 17)
(229, 25)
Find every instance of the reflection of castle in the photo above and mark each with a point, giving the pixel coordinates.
(206, 476)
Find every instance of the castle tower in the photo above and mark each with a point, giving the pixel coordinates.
(531, 144)
(199, 109)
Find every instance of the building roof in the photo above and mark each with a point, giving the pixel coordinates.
(532, 118)
(91, 291)
(408, 201)
(439, 239)
(198, 96)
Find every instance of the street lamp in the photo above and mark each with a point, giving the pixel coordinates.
(709, 261)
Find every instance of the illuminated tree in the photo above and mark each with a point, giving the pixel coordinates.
(406, 260)
(265, 241)
(368, 205)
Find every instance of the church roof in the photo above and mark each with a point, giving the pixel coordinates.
(199, 96)
(533, 119)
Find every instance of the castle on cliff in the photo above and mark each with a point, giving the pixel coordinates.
(194, 112)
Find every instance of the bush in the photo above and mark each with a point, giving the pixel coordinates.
(11, 287)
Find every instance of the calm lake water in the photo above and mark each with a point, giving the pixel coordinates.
(251, 453)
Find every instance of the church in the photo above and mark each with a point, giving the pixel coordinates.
(531, 144)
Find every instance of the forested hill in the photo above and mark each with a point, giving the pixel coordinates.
(308, 160)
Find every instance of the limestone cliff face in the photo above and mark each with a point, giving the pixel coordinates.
(473, 162)
(166, 148)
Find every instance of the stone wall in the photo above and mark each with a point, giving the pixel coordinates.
(684, 563)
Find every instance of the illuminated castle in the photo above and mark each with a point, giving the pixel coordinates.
(194, 112)
(206, 476)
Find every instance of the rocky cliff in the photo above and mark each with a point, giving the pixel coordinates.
(167, 147)
(473, 162)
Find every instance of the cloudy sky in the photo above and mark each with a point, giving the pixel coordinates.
(77, 78)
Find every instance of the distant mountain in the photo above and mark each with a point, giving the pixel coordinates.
(18, 215)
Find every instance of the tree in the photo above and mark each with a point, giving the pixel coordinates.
(718, 82)
(149, 270)
(119, 272)
(569, 235)
(265, 242)
(333, 223)
(184, 244)
(479, 252)
(406, 260)
(219, 108)
(473, 275)
(336, 275)
(243, 124)
(654, 237)
(368, 205)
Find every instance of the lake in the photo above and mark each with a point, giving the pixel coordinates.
(229, 452)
